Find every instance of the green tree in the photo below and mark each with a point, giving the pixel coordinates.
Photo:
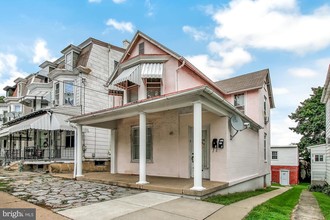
(1, 99)
(310, 118)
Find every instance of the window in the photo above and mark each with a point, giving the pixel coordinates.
(153, 87)
(239, 102)
(99, 163)
(68, 61)
(274, 155)
(135, 135)
(266, 119)
(17, 108)
(265, 147)
(132, 94)
(57, 93)
(318, 158)
(69, 139)
(68, 93)
(141, 48)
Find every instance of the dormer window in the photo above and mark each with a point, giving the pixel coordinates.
(68, 61)
(57, 93)
(141, 48)
(239, 102)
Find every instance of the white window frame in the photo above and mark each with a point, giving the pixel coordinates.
(68, 82)
(57, 93)
(240, 104)
(149, 143)
(128, 93)
(274, 155)
(151, 84)
(319, 156)
(70, 135)
(265, 147)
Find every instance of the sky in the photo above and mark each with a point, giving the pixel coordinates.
(222, 38)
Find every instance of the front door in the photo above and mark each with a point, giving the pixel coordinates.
(284, 177)
(205, 153)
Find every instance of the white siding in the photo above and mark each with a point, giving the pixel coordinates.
(328, 146)
(287, 156)
(318, 169)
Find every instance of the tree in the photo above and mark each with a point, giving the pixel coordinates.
(310, 118)
(1, 99)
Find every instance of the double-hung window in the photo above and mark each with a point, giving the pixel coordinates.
(319, 158)
(57, 93)
(265, 147)
(69, 61)
(153, 87)
(135, 144)
(239, 102)
(68, 93)
(274, 155)
(141, 48)
(69, 139)
(132, 94)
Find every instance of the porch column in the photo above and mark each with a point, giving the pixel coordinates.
(143, 149)
(198, 147)
(113, 168)
(79, 150)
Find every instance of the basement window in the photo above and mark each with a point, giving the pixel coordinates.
(99, 163)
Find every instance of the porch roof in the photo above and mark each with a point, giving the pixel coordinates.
(211, 101)
(46, 121)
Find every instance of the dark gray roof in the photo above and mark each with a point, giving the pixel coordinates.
(245, 82)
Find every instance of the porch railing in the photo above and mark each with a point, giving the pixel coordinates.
(37, 153)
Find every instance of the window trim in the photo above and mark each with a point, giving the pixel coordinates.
(141, 48)
(240, 107)
(68, 82)
(71, 135)
(127, 93)
(265, 147)
(153, 85)
(69, 66)
(319, 157)
(273, 155)
(150, 160)
(57, 94)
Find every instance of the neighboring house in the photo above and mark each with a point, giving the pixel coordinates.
(285, 164)
(318, 163)
(3, 112)
(326, 99)
(170, 120)
(72, 85)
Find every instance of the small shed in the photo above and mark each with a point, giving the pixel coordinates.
(318, 163)
(285, 164)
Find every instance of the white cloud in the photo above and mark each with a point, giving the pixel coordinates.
(94, 1)
(280, 91)
(281, 134)
(150, 8)
(118, 1)
(8, 71)
(196, 34)
(41, 52)
(121, 26)
(269, 24)
(302, 72)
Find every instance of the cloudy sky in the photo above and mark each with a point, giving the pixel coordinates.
(222, 38)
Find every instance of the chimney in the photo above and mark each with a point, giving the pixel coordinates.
(125, 44)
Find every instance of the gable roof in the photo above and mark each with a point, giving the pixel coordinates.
(180, 58)
(246, 82)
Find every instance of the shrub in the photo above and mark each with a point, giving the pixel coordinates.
(326, 190)
(317, 188)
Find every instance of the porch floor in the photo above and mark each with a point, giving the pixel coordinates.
(161, 184)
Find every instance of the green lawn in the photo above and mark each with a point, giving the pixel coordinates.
(324, 203)
(235, 197)
(279, 207)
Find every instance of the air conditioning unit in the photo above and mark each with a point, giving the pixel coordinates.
(55, 102)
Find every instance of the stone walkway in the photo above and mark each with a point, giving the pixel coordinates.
(59, 194)
(307, 208)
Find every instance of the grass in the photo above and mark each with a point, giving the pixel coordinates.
(235, 197)
(279, 207)
(4, 186)
(324, 203)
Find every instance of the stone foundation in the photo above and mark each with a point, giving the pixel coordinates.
(88, 166)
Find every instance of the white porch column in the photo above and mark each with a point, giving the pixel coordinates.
(143, 149)
(198, 147)
(113, 168)
(79, 150)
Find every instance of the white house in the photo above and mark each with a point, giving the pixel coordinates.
(71, 85)
(285, 164)
(326, 99)
(318, 163)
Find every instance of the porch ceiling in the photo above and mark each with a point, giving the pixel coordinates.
(210, 101)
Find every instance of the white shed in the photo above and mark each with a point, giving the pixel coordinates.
(318, 162)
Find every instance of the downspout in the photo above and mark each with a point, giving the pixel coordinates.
(177, 73)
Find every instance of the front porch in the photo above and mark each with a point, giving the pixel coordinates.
(180, 186)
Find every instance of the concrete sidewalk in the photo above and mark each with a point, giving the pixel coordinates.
(307, 208)
(9, 201)
(151, 205)
(240, 209)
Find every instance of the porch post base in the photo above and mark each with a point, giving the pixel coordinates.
(142, 182)
(197, 188)
(79, 176)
